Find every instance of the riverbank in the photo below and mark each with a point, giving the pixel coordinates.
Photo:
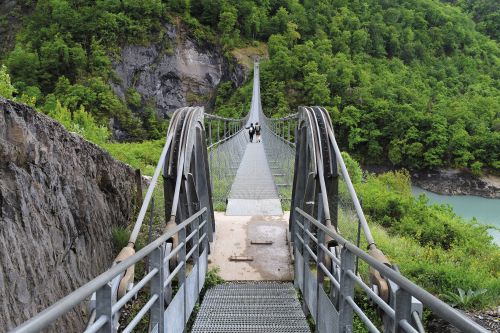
(449, 181)
(485, 210)
(457, 182)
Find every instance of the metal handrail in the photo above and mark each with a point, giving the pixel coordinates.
(292, 117)
(58, 309)
(442, 309)
(352, 191)
(218, 143)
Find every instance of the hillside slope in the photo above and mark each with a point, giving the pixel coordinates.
(408, 83)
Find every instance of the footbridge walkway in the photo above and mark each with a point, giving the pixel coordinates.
(208, 163)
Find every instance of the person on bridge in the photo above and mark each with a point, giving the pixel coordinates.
(251, 131)
(257, 132)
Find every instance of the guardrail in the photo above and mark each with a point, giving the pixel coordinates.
(226, 141)
(278, 135)
(321, 250)
(192, 250)
(185, 193)
(333, 310)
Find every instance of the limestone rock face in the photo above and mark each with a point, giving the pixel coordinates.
(175, 72)
(60, 198)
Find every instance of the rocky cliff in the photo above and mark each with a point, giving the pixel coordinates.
(457, 182)
(177, 71)
(12, 14)
(60, 198)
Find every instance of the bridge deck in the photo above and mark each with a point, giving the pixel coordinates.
(253, 191)
(251, 308)
(237, 236)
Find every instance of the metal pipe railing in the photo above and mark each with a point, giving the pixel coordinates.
(57, 310)
(440, 308)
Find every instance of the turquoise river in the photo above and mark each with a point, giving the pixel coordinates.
(486, 211)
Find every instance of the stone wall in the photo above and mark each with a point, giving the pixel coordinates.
(60, 198)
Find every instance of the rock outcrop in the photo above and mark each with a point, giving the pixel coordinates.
(60, 198)
(12, 13)
(178, 71)
(457, 182)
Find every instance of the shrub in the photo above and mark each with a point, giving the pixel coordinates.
(6, 88)
(119, 237)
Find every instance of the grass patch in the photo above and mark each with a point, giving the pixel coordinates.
(119, 237)
(244, 55)
(139, 155)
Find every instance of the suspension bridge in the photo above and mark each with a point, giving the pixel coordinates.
(209, 162)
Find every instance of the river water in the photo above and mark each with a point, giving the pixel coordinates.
(486, 211)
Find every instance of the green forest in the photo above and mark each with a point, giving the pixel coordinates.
(408, 83)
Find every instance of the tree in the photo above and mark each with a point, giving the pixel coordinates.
(226, 26)
(6, 88)
(316, 86)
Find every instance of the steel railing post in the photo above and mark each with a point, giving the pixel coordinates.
(289, 125)
(294, 230)
(402, 309)
(305, 254)
(346, 291)
(182, 271)
(320, 275)
(196, 253)
(158, 308)
(104, 305)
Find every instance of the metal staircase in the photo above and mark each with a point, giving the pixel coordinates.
(265, 307)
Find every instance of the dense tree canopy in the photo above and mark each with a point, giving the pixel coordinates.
(412, 83)
(409, 82)
(63, 53)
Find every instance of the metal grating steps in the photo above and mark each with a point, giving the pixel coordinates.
(255, 307)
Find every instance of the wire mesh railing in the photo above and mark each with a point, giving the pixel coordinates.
(226, 141)
(278, 135)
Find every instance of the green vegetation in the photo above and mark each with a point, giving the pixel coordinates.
(464, 299)
(486, 14)
(6, 88)
(64, 54)
(410, 83)
(431, 245)
(139, 155)
(119, 237)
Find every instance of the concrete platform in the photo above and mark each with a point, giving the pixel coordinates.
(234, 237)
(242, 207)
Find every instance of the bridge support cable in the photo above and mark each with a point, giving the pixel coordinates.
(179, 206)
(329, 230)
